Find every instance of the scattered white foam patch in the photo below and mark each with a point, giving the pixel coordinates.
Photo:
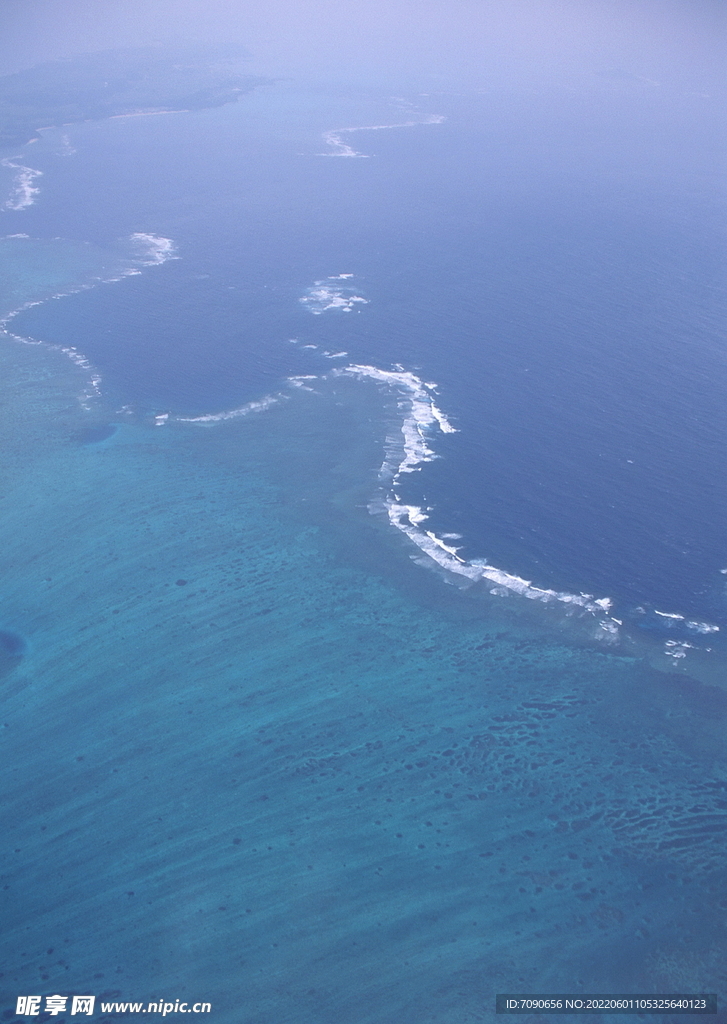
(335, 355)
(232, 414)
(697, 627)
(155, 249)
(677, 649)
(330, 294)
(23, 191)
(66, 148)
(609, 627)
(334, 138)
(421, 418)
(298, 382)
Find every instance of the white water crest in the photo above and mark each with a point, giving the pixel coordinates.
(231, 414)
(330, 293)
(152, 250)
(23, 190)
(421, 420)
(338, 147)
(697, 627)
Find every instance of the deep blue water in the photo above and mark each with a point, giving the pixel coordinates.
(565, 296)
(259, 752)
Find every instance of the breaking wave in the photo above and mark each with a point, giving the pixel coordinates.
(148, 250)
(231, 414)
(408, 450)
(331, 293)
(153, 249)
(421, 418)
(23, 191)
(337, 147)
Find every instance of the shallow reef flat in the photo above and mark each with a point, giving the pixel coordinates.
(258, 756)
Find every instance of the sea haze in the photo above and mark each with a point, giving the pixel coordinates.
(562, 289)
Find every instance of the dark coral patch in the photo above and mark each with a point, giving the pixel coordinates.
(94, 435)
(12, 649)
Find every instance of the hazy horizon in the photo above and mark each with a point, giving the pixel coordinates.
(675, 45)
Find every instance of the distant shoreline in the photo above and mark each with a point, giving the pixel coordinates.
(114, 84)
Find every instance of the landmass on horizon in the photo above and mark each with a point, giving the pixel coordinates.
(111, 83)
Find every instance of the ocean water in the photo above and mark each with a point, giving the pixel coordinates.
(362, 628)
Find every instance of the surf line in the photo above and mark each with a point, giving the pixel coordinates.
(338, 147)
(152, 250)
(406, 454)
(231, 414)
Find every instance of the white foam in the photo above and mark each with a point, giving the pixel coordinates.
(299, 382)
(338, 147)
(155, 249)
(232, 414)
(421, 419)
(147, 113)
(24, 192)
(697, 627)
(438, 540)
(609, 629)
(328, 294)
(702, 627)
(420, 415)
(66, 148)
(677, 649)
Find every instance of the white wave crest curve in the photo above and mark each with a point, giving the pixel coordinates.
(153, 250)
(421, 418)
(337, 147)
(232, 414)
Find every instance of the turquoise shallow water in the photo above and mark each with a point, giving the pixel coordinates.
(258, 756)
